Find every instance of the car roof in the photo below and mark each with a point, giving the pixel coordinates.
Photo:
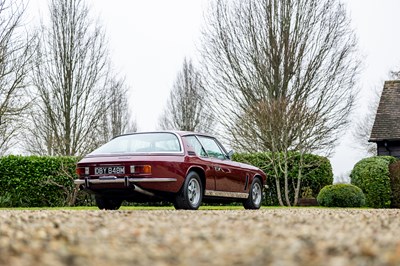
(177, 132)
(186, 133)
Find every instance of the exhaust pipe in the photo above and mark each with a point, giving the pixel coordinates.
(140, 190)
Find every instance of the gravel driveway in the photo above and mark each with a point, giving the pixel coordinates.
(292, 236)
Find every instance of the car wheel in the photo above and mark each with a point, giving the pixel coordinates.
(254, 200)
(191, 193)
(107, 204)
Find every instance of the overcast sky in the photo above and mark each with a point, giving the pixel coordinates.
(149, 39)
(377, 26)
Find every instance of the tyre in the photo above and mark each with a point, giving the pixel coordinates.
(107, 204)
(191, 193)
(253, 202)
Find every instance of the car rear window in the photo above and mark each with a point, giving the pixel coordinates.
(142, 142)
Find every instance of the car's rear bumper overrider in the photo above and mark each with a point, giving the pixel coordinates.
(125, 180)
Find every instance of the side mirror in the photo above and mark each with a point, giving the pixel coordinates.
(230, 154)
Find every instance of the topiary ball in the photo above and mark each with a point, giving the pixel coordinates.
(341, 195)
(372, 176)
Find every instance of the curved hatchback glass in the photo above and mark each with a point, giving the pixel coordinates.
(141, 143)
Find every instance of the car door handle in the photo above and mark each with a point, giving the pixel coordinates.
(217, 168)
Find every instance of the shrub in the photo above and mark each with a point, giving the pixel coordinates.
(36, 181)
(316, 174)
(372, 176)
(341, 195)
(394, 170)
(44, 181)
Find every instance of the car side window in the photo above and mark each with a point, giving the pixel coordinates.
(212, 148)
(195, 144)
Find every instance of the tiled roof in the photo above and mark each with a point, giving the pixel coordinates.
(387, 119)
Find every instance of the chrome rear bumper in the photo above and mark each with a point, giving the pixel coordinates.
(126, 180)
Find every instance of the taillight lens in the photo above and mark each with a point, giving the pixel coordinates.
(146, 169)
(82, 171)
(141, 169)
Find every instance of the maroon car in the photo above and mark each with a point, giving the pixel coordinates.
(184, 168)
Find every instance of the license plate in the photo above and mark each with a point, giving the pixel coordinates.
(109, 170)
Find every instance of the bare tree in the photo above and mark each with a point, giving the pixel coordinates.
(363, 126)
(15, 55)
(283, 74)
(117, 120)
(186, 106)
(74, 84)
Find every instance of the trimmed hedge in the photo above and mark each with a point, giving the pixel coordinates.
(36, 181)
(372, 176)
(341, 195)
(316, 173)
(45, 181)
(394, 170)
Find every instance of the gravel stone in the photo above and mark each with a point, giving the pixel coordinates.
(284, 236)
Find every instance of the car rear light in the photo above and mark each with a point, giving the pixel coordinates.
(147, 169)
(141, 169)
(82, 171)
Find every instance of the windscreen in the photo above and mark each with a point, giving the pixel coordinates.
(141, 142)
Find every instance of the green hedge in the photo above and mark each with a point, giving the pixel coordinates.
(394, 170)
(372, 176)
(316, 173)
(33, 181)
(341, 195)
(44, 181)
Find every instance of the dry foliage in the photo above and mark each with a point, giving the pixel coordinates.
(16, 48)
(80, 103)
(187, 108)
(282, 74)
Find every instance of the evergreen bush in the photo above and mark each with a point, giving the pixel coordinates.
(341, 195)
(316, 173)
(394, 170)
(36, 181)
(45, 181)
(372, 176)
